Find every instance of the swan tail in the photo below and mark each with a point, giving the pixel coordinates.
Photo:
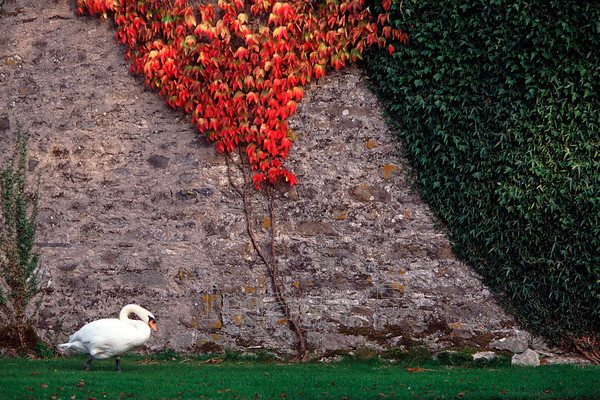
(71, 346)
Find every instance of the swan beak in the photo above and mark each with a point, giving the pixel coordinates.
(152, 324)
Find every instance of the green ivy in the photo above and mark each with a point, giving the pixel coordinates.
(498, 105)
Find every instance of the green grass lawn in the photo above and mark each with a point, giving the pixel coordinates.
(183, 378)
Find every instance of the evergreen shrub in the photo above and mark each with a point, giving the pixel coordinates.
(19, 262)
(497, 104)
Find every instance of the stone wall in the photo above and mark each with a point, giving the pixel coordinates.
(136, 207)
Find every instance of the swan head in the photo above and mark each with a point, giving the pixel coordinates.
(152, 322)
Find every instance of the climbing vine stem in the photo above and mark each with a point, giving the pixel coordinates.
(270, 261)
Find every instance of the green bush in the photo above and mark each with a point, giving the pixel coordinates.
(417, 354)
(18, 261)
(498, 104)
(43, 350)
(165, 355)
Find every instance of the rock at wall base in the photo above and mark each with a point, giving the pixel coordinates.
(528, 358)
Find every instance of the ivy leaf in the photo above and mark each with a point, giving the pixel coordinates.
(252, 96)
(242, 18)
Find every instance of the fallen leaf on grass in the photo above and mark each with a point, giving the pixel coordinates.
(44, 386)
(34, 373)
(419, 369)
(213, 360)
(381, 394)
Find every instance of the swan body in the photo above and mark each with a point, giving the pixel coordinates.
(112, 337)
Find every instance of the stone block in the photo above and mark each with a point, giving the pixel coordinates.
(528, 358)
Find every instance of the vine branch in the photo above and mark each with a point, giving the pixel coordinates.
(270, 263)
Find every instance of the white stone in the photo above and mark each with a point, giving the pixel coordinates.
(528, 358)
(488, 355)
(515, 344)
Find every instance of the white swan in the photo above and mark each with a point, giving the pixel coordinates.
(110, 337)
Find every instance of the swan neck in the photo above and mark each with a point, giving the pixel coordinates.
(132, 308)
